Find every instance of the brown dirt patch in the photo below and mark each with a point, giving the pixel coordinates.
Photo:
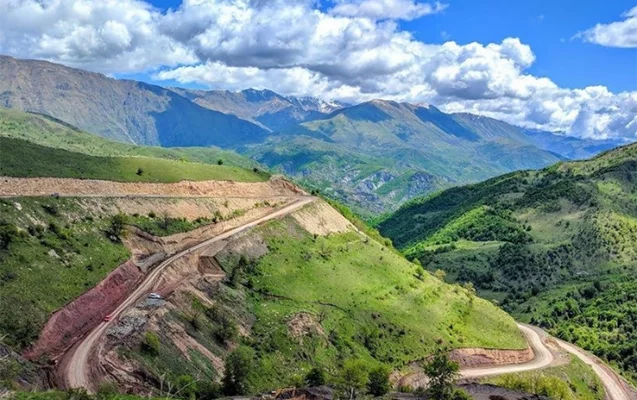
(304, 324)
(12, 187)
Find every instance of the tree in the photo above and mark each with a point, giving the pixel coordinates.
(316, 377)
(186, 387)
(353, 377)
(139, 172)
(442, 373)
(116, 230)
(378, 384)
(220, 161)
(440, 274)
(238, 366)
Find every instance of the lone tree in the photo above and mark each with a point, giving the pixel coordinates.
(378, 384)
(238, 366)
(442, 373)
(220, 161)
(353, 377)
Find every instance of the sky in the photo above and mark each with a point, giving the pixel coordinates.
(555, 65)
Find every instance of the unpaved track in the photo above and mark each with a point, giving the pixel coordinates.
(543, 358)
(614, 385)
(76, 373)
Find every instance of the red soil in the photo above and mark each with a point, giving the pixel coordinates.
(80, 316)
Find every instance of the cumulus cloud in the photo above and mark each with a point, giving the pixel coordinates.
(107, 35)
(296, 48)
(616, 34)
(386, 9)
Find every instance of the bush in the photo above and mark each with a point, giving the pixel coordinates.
(316, 377)
(151, 344)
(8, 233)
(378, 384)
(186, 387)
(220, 161)
(238, 366)
(353, 377)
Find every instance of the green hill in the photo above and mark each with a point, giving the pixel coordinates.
(35, 145)
(557, 247)
(376, 155)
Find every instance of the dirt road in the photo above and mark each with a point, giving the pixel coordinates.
(543, 358)
(615, 388)
(614, 385)
(76, 366)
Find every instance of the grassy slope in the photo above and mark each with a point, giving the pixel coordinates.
(558, 247)
(369, 303)
(364, 298)
(25, 159)
(41, 270)
(47, 131)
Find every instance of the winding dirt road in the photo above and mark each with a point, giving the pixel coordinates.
(543, 358)
(614, 385)
(76, 365)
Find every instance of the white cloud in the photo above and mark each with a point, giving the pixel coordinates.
(293, 47)
(107, 35)
(616, 34)
(386, 9)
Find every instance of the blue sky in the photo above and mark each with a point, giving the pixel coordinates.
(554, 65)
(548, 26)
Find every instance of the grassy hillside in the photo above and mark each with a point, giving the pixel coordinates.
(25, 159)
(556, 247)
(50, 132)
(322, 301)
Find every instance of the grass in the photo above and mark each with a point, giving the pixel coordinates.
(368, 301)
(59, 252)
(25, 159)
(573, 381)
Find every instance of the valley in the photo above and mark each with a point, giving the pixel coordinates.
(167, 242)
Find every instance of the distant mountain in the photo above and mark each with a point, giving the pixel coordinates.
(374, 156)
(568, 146)
(555, 247)
(123, 110)
(263, 107)
(378, 154)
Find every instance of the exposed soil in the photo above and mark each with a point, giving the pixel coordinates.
(304, 324)
(11, 187)
(321, 219)
(476, 358)
(81, 315)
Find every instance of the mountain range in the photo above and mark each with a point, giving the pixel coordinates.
(374, 156)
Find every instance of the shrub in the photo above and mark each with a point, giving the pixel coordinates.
(442, 373)
(353, 377)
(238, 366)
(151, 344)
(316, 377)
(378, 384)
(220, 161)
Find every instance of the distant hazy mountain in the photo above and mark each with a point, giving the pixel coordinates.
(263, 107)
(378, 154)
(569, 146)
(124, 110)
